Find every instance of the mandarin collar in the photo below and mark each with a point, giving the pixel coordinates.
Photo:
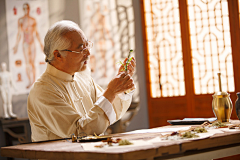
(59, 74)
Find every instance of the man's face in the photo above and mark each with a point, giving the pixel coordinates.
(75, 62)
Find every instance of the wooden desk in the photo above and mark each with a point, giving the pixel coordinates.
(216, 146)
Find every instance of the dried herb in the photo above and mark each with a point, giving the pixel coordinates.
(174, 133)
(200, 130)
(219, 124)
(234, 126)
(124, 142)
(99, 146)
(189, 135)
(127, 62)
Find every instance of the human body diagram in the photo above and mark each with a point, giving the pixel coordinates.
(27, 27)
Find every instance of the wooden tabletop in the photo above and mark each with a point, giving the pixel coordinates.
(63, 149)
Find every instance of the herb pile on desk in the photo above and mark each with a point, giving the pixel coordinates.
(192, 132)
(113, 142)
(195, 132)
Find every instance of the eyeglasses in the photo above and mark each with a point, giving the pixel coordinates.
(89, 45)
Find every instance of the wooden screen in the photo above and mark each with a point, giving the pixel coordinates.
(186, 45)
(164, 49)
(210, 45)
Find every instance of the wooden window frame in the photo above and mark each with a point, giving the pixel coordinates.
(193, 105)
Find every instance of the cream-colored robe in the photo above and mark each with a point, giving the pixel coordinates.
(60, 105)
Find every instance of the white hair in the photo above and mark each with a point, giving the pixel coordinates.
(55, 38)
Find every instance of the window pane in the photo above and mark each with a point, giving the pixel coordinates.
(164, 48)
(211, 45)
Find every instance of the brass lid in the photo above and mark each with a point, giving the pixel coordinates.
(221, 94)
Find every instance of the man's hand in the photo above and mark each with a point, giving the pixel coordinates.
(130, 68)
(122, 82)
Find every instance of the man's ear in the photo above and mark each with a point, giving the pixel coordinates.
(57, 55)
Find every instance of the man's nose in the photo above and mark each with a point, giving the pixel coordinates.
(87, 51)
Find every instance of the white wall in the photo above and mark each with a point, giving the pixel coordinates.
(141, 119)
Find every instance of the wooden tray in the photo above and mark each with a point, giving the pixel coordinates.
(191, 121)
(94, 139)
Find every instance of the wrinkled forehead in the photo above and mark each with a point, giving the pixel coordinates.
(76, 35)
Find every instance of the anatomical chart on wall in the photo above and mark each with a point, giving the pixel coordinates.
(27, 24)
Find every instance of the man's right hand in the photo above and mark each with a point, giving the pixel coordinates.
(120, 83)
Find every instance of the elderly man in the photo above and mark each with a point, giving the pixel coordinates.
(65, 99)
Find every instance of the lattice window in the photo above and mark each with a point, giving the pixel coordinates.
(211, 45)
(164, 48)
(239, 9)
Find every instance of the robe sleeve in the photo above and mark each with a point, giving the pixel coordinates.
(119, 105)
